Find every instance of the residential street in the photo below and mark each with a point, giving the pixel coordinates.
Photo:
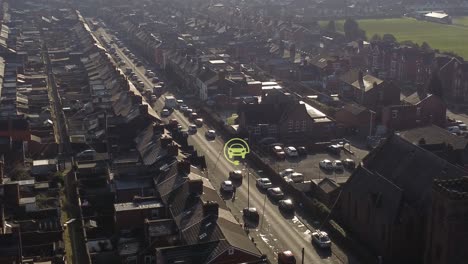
(277, 233)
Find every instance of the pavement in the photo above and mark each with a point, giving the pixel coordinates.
(276, 232)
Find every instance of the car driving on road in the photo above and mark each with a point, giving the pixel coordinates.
(321, 239)
(227, 186)
(210, 134)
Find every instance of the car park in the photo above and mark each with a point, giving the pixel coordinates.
(286, 205)
(275, 193)
(236, 175)
(264, 183)
(326, 164)
(338, 165)
(210, 134)
(251, 214)
(321, 239)
(291, 151)
(227, 186)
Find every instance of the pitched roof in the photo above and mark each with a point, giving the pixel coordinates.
(355, 109)
(368, 82)
(415, 98)
(433, 135)
(261, 113)
(411, 168)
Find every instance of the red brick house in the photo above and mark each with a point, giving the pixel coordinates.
(369, 90)
(454, 77)
(356, 119)
(416, 110)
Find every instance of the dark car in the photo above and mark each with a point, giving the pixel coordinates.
(349, 164)
(251, 213)
(236, 175)
(302, 151)
(286, 205)
(275, 193)
(286, 257)
(334, 149)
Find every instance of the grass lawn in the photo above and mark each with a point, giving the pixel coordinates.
(438, 36)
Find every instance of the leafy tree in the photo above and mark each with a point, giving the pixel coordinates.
(389, 38)
(435, 85)
(425, 46)
(376, 37)
(351, 29)
(331, 27)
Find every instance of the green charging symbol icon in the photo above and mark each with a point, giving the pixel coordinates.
(235, 149)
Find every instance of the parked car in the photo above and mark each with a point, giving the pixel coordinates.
(302, 151)
(326, 164)
(227, 186)
(236, 175)
(275, 193)
(286, 172)
(183, 108)
(454, 130)
(278, 152)
(251, 213)
(173, 122)
(286, 257)
(349, 164)
(338, 165)
(188, 112)
(193, 116)
(180, 102)
(210, 134)
(264, 183)
(334, 149)
(463, 127)
(199, 122)
(286, 205)
(291, 151)
(165, 112)
(295, 177)
(155, 80)
(321, 239)
(192, 129)
(89, 154)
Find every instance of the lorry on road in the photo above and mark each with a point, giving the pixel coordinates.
(170, 101)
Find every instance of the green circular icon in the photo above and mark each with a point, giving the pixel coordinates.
(235, 149)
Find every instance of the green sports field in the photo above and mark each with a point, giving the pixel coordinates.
(439, 36)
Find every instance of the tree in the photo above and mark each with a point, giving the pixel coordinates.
(389, 38)
(425, 46)
(408, 43)
(331, 27)
(351, 29)
(376, 37)
(435, 85)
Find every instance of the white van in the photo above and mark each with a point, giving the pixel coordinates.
(454, 129)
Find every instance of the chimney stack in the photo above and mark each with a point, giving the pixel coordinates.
(183, 167)
(158, 129)
(210, 208)
(2, 169)
(195, 186)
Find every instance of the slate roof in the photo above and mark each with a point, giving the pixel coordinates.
(261, 113)
(415, 98)
(355, 109)
(148, 145)
(433, 135)
(411, 168)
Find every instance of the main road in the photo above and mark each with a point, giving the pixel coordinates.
(276, 232)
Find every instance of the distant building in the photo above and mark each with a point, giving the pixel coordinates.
(388, 201)
(447, 225)
(438, 17)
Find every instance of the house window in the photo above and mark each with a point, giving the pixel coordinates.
(418, 111)
(304, 125)
(394, 114)
(290, 126)
(154, 213)
(256, 130)
(231, 251)
(272, 129)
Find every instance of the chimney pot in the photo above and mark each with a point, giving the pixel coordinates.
(195, 187)
(183, 167)
(211, 208)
